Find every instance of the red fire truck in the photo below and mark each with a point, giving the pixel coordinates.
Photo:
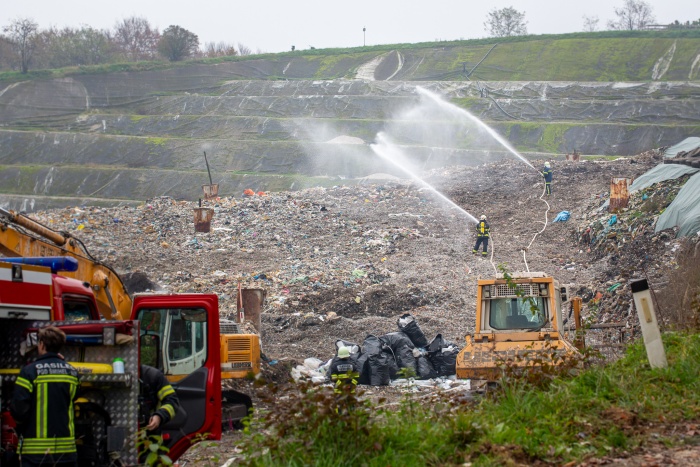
(107, 416)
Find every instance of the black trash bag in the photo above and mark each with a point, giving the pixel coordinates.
(402, 348)
(438, 343)
(397, 339)
(445, 360)
(378, 362)
(372, 345)
(363, 368)
(379, 368)
(425, 369)
(408, 325)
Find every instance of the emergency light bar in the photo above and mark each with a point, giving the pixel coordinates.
(56, 263)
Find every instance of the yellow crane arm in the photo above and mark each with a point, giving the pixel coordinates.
(25, 237)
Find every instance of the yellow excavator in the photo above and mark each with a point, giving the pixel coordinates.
(517, 315)
(21, 236)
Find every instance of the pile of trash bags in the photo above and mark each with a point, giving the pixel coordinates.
(380, 359)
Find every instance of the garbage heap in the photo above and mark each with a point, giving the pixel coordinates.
(406, 353)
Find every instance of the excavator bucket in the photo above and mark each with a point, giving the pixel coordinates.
(211, 191)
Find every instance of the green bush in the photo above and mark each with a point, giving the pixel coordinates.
(599, 411)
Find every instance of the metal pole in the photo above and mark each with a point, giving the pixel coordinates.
(208, 171)
(364, 35)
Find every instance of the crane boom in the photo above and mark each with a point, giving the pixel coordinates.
(23, 236)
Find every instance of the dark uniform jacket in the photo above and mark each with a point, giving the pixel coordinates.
(482, 229)
(158, 395)
(42, 406)
(547, 174)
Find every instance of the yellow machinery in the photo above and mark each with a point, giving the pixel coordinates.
(25, 237)
(515, 316)
(22, 236)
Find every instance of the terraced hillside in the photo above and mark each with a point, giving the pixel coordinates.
(288, 121)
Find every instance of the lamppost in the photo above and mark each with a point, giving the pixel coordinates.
(364, 42)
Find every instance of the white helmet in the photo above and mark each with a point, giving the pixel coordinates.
(546, 164)
(483, 217)
(343, 352)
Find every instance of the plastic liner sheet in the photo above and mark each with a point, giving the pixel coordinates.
(686, 145)
(660, 173)
(684, 211)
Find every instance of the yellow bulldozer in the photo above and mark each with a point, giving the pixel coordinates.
(517, 315)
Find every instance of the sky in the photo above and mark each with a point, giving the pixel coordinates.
(276, 25)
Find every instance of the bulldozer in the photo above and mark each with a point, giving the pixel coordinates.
(517, 315)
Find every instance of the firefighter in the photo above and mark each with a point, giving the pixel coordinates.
(159, 402)
(42, 405)
(547, 174)
(343, 370)
(482, 236)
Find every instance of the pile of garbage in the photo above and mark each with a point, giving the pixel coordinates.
(629, 245)
(379, 360)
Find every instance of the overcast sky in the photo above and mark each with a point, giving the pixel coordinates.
(276, 25)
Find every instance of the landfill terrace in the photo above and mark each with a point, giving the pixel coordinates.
(346, 261)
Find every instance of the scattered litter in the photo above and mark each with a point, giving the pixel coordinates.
(562, 216)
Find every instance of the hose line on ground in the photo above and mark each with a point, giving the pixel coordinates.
(546, 221)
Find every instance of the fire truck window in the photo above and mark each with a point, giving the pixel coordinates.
(180, 345)
(76, 311)
(198, 336)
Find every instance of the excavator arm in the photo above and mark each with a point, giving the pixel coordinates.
(23, 236)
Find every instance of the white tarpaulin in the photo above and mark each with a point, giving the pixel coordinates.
(660, 173)
(684, 211)
(686, 145)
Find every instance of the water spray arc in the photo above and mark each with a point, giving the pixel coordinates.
(451, 108)
(390, 152)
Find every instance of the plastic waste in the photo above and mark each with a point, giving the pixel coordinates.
(562, 217)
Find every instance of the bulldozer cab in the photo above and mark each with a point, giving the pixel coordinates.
(529, 302)
(516, 313)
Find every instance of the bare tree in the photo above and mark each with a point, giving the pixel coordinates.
(73, 46)
(244, 49)
(590, 23)
(506, 22)
(219, 49)
(6, 53)
(136, 39)
(178, 43)
(22, 34)
(634, 14)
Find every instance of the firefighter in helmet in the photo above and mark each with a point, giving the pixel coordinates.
(344, 370)
(42, 404)
(482, 236)
(547, 174)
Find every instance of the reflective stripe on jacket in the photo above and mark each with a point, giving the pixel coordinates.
(547, 174)
(158, 394)
(42, 406)
(482, 229)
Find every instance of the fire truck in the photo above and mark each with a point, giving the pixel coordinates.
(175, 331)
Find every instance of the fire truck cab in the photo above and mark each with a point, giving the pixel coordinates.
(108, 409)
